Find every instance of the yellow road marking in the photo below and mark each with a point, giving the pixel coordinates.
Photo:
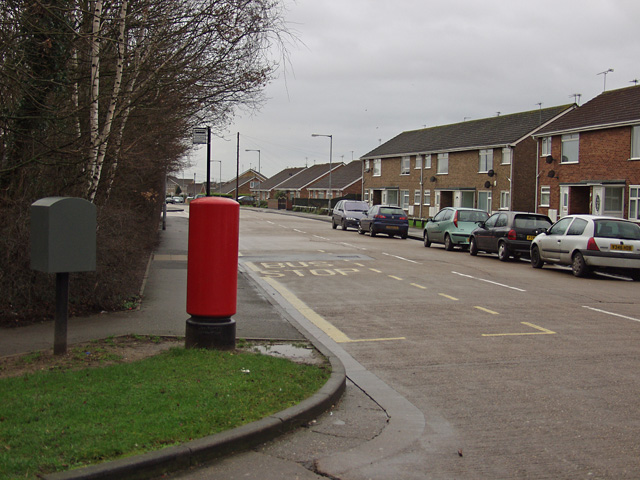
(252, 266)
(487, 310)
(394, 277)
(543, 331)
(334, 333)
(447, 296)
(418, 286)
(374, 270)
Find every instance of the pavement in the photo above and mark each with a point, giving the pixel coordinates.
(346, 430)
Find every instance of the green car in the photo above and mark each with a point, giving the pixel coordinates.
(452, 226)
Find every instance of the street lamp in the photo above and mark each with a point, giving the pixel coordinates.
(254, 150)
(330, 163)
(220, 184)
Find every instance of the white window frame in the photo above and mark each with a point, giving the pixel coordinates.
(366, 195)
(489, 200)
(608, 191)
(485, 160)
(405, 198)
(505, 200)
(635, 142)
(405, 165)
(545, 194)
(418, 162)
(634, 202)
(417, 194)
(570, 146)
(506, 156)
(443, 164)
(546, 146)
(427, 161)
(377, 167)
(426, 198)
(367, 166)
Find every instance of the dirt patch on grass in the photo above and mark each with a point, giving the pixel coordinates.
(96, 353)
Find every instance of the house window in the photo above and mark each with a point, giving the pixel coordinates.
(427, 161)
(416, 197)
(546, 146)
(418, 162)
(377, 167)
(443, 163)
(505, 197)
(613, 201)
(486, 161)
(634, 202)
(570, 148)
(635, 142)
(405, 199)
(253, 184)
(484, 201)
(506, 156)
(367, 166)
(366, 195)
(427, 197)
(405, 166)
(545, 196)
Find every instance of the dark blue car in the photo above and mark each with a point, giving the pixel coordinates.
(384, 219)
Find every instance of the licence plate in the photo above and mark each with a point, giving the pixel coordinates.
(624, 248)
(392, 227)
(530, 237)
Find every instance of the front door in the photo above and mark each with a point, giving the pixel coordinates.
(564, 201)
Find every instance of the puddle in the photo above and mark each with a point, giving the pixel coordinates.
(297, 352)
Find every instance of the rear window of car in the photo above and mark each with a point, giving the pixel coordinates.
(391, 211)
(531, 221)
(617, 229)
(472, 216)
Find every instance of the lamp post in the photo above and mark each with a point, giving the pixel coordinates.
(330, 164)
(219, 184)
(254, 150)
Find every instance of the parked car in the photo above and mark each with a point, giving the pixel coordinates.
(246, 200)
(168, 200)
(178, 200)
(590, 242)
(507, 234)
(452, 226)
(347, 213)
(384, 219)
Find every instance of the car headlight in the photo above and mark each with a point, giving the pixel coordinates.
(352, 219)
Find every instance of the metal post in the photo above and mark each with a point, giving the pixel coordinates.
(208, 161)
(62, 313)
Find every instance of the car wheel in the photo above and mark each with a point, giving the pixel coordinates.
(579, 267)
(473, 248)
(536, 261)
(425, 238)
(344, 225)
(404, 236)
(448, 244)
(635, 275)
(333, 223)
(503, 252)
(371, 232)
(360, 230)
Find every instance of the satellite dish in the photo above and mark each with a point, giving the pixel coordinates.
(549, 159)
(551, 174)
(487, 184)
(433, 179)
(491, 173)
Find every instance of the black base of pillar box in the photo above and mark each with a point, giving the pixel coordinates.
(211, 333)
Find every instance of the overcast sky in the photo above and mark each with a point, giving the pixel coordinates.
(366, 70)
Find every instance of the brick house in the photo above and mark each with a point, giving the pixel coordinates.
(265, 190)
(345, 180)
(245, 182)
(589, 160)
(298, 185)
(488, 163)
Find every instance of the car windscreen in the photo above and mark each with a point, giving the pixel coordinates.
(532, 222)
(391, 211)
(472, 216)
(617, 229)
(356, 206)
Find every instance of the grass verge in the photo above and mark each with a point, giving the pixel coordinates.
(57, 420)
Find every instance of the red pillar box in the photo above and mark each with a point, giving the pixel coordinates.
(212, 273)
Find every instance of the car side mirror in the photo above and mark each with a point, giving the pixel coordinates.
(480, 224)
(541, 230)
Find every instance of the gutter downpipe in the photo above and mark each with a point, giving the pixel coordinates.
(535, 205)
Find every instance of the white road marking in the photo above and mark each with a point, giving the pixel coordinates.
(611, 313)
(400, 258)
(489, 281)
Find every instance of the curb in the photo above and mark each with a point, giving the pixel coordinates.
(181, 457)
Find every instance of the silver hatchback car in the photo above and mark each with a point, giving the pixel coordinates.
(590, 242)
